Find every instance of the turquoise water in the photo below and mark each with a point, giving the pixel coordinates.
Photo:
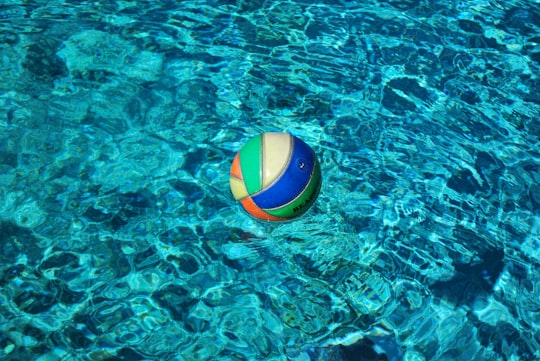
(120, 239)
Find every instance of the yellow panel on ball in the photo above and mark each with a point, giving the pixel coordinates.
(238, 188)
(276, 149)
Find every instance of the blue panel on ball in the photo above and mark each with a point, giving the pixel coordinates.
(294, 179)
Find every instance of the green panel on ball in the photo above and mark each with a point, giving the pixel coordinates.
(301, 204)
(250, 163)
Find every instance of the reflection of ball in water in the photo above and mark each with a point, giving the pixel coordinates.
(275, 176)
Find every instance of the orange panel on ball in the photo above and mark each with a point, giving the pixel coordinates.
(257, 212)
(236, 170)
(236, 182)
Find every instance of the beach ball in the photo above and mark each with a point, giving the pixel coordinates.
(275, 177)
